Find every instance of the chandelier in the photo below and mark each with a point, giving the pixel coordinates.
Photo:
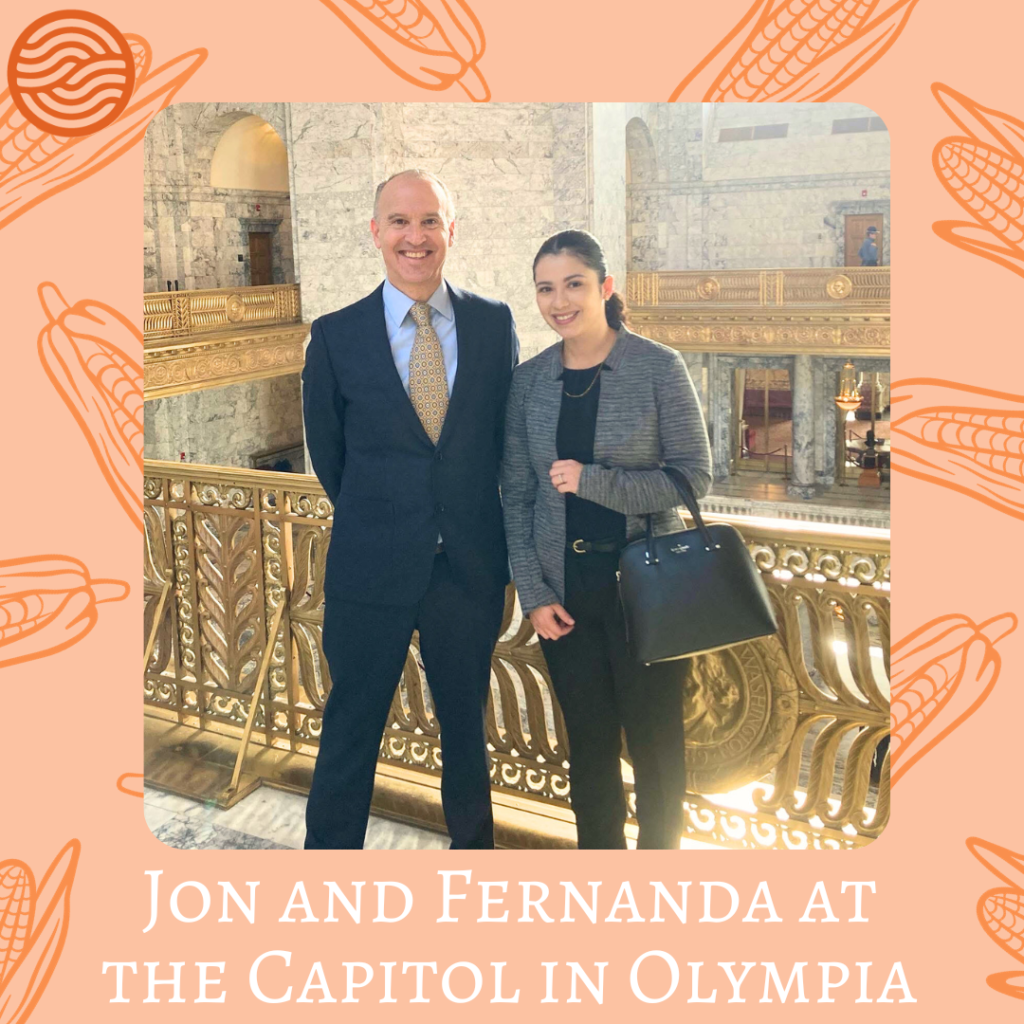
(849, 397)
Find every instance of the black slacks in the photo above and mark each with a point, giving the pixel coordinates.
(366, 646)
(602, 690)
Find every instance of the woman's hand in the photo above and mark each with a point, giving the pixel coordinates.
(551, 621)
(565, 475)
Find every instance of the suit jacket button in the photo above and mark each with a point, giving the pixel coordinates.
(439, 508)
(439, 457)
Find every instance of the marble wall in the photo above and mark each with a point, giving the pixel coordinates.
(194, 233)
(608, 172)
(518, 172)
(228, 425)
(776, 202)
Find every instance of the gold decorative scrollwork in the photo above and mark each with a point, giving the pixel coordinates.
(800, 715)
(180, 314)
(230, 615)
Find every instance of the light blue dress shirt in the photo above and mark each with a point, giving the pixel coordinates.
(402, 329)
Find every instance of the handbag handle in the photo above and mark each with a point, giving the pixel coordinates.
(686, 492)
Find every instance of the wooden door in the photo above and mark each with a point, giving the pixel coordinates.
(260, 263)
(855, 231)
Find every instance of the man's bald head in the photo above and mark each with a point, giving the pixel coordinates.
(416, 172)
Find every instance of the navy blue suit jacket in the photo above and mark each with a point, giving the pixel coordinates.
(394, 492)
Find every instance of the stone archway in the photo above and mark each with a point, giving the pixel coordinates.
(250, 155)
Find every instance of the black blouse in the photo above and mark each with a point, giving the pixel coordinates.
(577, 420)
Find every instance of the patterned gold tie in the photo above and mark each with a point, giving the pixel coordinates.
(428, 380)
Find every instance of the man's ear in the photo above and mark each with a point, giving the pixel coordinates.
(451, 233)
(375, 231)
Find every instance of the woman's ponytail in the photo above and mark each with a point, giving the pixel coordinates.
(615, 310)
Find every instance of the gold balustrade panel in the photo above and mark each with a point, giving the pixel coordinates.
(780, 733)
(181, 314)
(818, 311)
(217, 336)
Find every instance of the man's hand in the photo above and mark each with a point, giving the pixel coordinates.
(551, 621)
(565, 475)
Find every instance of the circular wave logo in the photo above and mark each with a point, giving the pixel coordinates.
(71, 73)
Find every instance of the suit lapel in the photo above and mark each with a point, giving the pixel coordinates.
(468, 340)
(615, 404)
(379, 350)
(545, 406)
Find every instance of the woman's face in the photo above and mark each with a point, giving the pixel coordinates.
(570, 297)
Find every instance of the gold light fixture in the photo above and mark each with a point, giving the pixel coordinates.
(849, 397)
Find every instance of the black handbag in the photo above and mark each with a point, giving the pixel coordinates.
(691, 592)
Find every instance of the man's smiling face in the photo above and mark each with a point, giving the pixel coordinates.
(413, 230)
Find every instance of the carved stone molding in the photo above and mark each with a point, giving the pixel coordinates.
(816, 311)
(226, 358)
(818, 335)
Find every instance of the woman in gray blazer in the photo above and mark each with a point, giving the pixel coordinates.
(590, 423)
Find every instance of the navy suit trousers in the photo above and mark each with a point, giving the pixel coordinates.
(366, 647)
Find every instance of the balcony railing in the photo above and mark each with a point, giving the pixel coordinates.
(182, 314)
(203, 339)
(780, 733)
(826, 310)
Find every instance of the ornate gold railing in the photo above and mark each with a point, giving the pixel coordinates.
(827, 310)
(181, 314)
(799, 715)
(203, 339)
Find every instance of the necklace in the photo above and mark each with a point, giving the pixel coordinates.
(597, 374)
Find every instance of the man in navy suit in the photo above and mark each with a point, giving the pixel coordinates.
(404, 399)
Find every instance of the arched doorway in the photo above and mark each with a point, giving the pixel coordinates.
(250, 157)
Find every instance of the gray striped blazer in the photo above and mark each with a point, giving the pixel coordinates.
(648, 416)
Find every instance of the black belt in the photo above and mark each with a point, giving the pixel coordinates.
(595, 547)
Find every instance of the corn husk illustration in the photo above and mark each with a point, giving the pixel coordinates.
(124, 784)
(965, 438)
(1001, 912)
(48, 603)
(941, 674)
(983, 170)
(431, 43)
(1006, 864)
(796, 50)
(83, 350)
(1007, 983)
(35, 164)
(33, 926)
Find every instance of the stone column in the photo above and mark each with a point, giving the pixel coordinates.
(801, 483)
(719, 413)
(825, 414)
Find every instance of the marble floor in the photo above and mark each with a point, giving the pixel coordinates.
(772, 487)
(271, 819)
(268, 819)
